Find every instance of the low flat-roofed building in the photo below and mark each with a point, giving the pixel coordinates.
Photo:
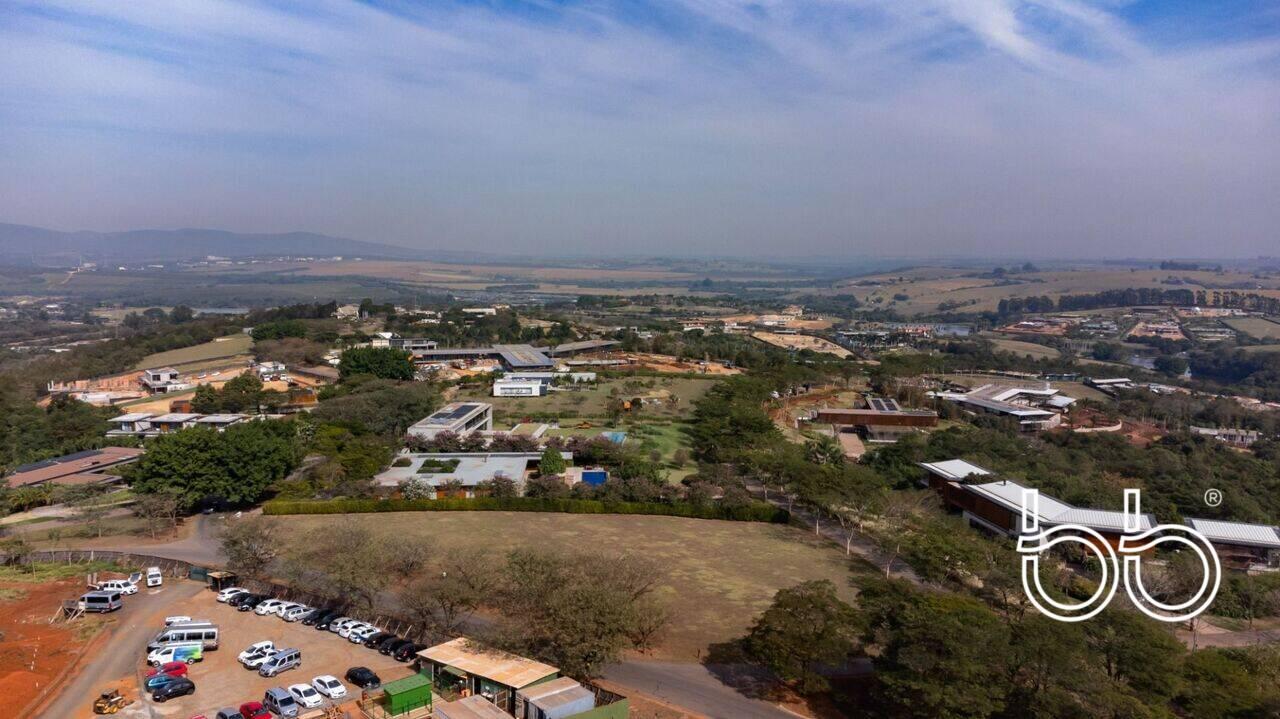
(131, 424)
(882, 420)
(461, 664)
(1024, 404)
(463, 470)
(220, 421)
(1229, 435)
(173, 421)
(572, 348)
(955, 470)
(164, 379)
(507, 387)
(561, 699)
(87, 467)
(1241, 546)
(456, 417)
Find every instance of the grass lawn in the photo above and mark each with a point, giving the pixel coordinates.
(590, 403)
(221, 347)
(719, 575)
(1259, 327)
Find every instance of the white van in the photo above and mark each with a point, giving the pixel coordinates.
(101, 602)
(203, 632)
(154, 577)
(188, 653)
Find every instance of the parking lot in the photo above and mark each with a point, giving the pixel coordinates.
(220, 679)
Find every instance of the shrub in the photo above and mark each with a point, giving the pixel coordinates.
(753, 512)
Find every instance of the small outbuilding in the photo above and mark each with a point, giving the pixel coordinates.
(468, 668)
(469, 708)
(403, 696)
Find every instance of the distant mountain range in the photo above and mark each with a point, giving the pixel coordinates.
(23, 244)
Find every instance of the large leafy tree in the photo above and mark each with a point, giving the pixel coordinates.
(237, 465)
(806, 625)
(381, 362)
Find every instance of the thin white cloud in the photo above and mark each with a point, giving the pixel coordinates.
(858, 126)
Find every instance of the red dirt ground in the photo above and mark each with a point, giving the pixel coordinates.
(32, 651)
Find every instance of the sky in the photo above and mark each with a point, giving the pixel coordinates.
(773, 128)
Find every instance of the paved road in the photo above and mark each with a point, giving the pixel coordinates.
(692, 686)
(201, 546)
(120, 654)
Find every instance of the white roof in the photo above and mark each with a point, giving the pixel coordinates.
(954, 469)
(1053, 511)
(1236, 532)
(220, 418)
(175, 417)
(131, 417)
(1060, 401)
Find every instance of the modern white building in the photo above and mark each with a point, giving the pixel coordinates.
(504, 387)
(457, 417)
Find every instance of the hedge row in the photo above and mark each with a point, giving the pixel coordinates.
(755, 512)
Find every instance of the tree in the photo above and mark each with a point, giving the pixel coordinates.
(500, 487)
(453, 588)
(552, 463)
(937, 654)
(824, 450)
(159, 511)
(381, 362)
(91, 513)
(235, 466)
(806, 625)
(417, 488)
(342, 561)
(546, 487)
(250, 544)
(577, 611)
(181, 314)
(206, 399)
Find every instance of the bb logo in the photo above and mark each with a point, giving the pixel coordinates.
(1133, 544)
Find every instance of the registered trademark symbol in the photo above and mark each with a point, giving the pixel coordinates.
(1213, 497)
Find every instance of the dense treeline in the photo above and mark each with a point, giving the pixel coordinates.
(29, 433)
(1094, 469)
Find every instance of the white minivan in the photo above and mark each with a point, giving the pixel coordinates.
(154, 577)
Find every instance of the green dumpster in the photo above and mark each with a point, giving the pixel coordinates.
(405, 695)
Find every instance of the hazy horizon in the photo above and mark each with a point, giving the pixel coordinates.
(1059, 129)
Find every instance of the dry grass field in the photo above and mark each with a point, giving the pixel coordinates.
(927, 289)
(1018, 347)
(220, 348)
(719, 575)
(1257, 327)
(590, 402)
(802, 342)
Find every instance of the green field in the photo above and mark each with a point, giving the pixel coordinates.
(1257, 327)
(220, 348)
(719, 575)
(590, 403)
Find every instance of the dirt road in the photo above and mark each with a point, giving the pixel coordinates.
(119, 655)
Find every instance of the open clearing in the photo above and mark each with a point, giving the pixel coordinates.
(591, 402)
(802, 342)
(1018, 347)
(219, 348)
(1257, 327)
(720, 575)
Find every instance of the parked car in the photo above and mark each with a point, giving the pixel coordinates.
(267, 606)
(255, 661)
(362, 634)
(283, 607)
(229, 713)
(387, 640)
(325, 621)
(363, 677)
(177, 669)
(336, 626)
(117, 585)
(155, 681)
(373, 640)
(229, 592)
(250, 602)
(310, 618)
(280, 702)
(188, 652)
(179, 687)
(408, 652)
(254, 710)
(392, 645)
(329, 686)
(296, 612)
(306, 696)
(155, 577)
(281, 661)
(256, 649)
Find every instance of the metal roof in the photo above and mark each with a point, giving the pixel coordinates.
(472, 707)
(493, 664)
(1010, 494)
(175, 417)
(1258, 535)
(954, 469)
(132, 417)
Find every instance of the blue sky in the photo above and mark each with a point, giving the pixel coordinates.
(778, 127)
